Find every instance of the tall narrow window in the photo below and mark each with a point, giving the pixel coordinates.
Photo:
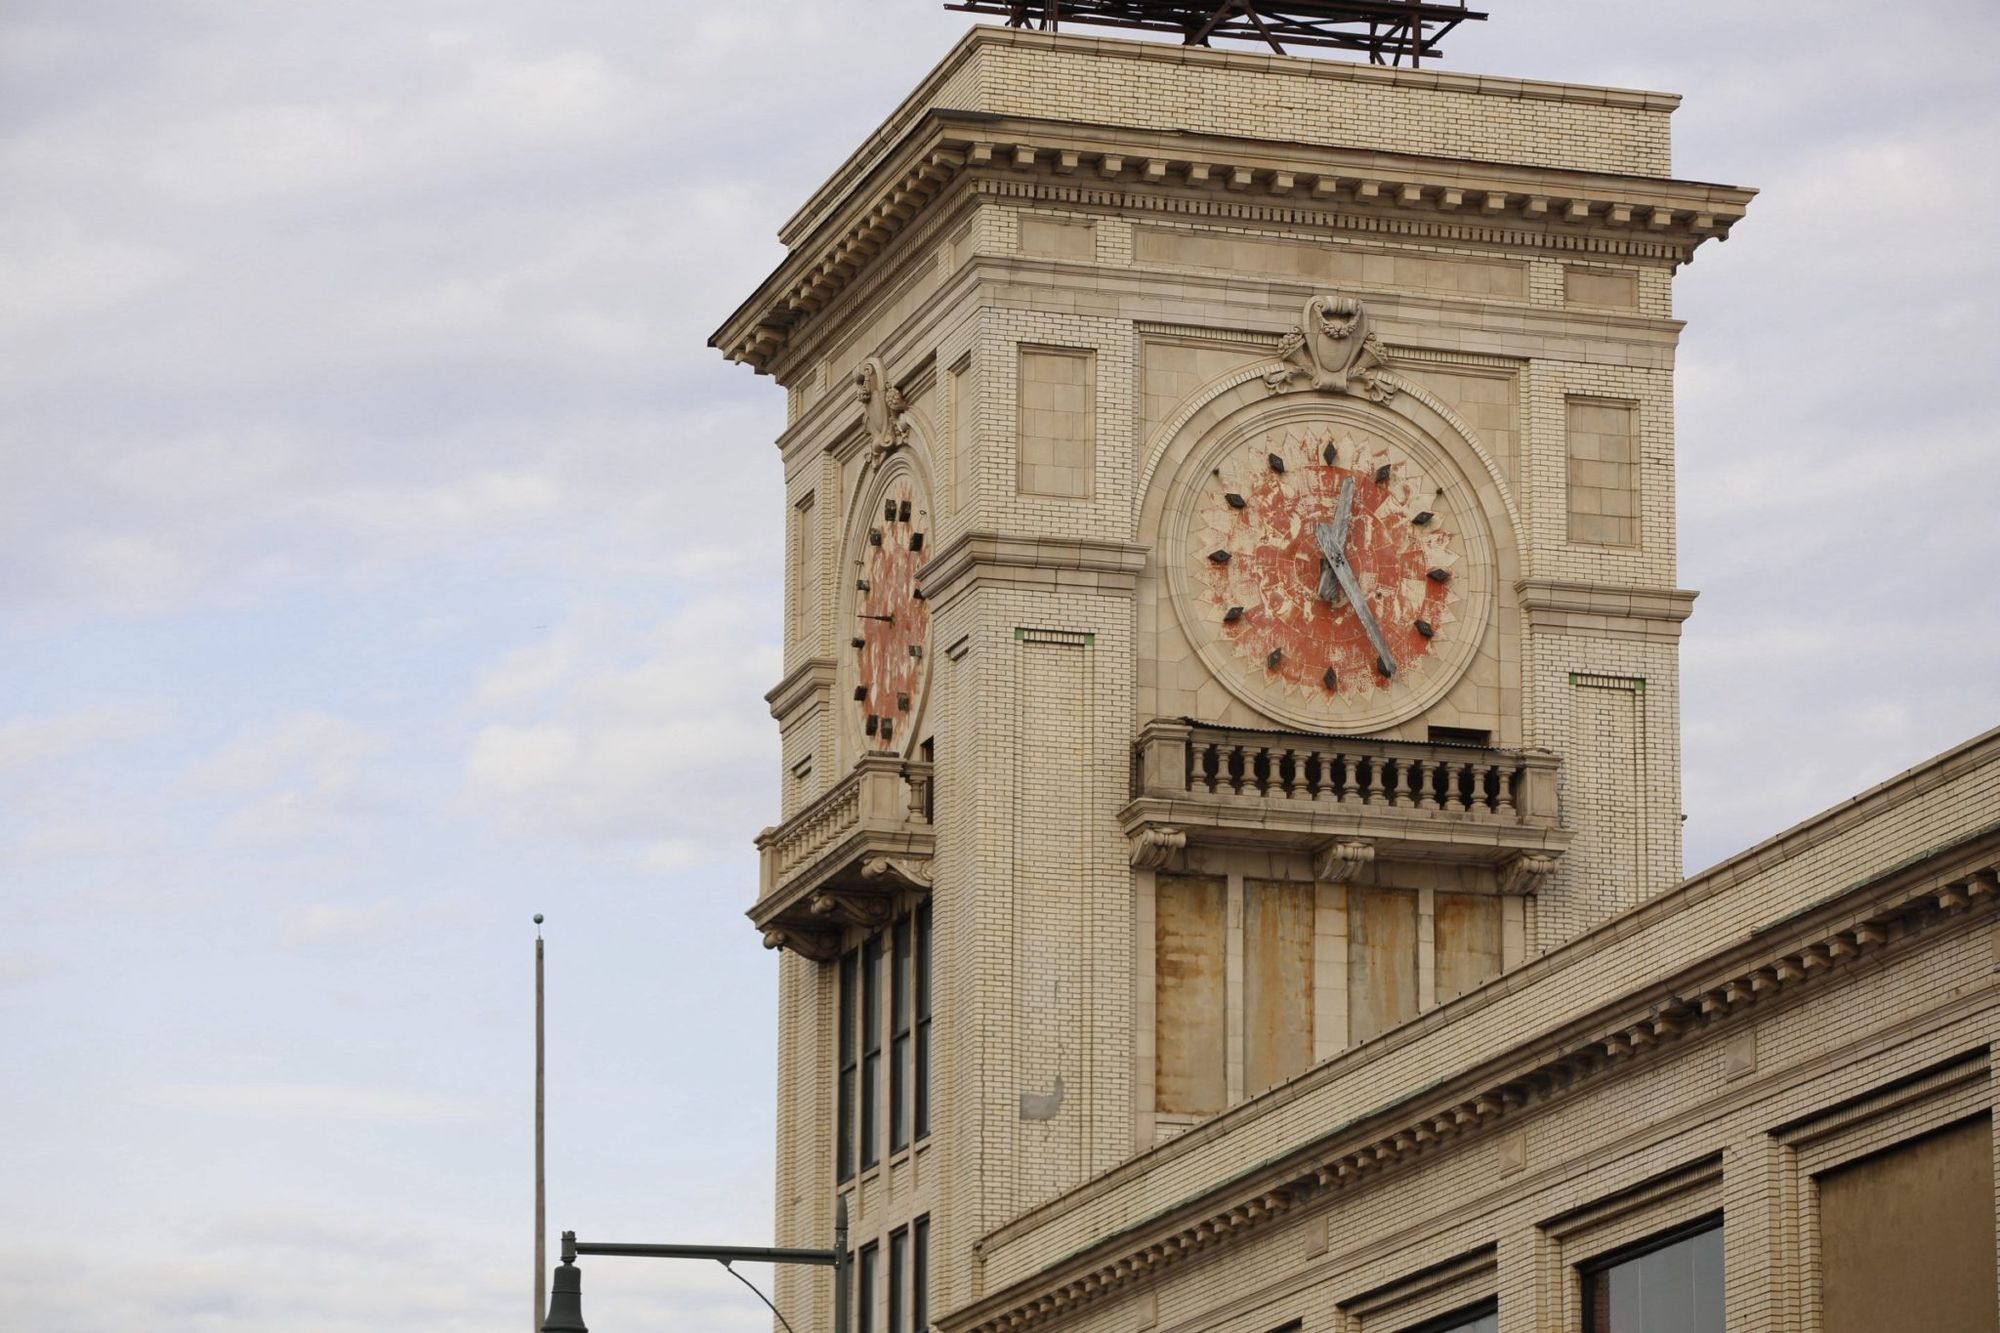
(920, 1272)
(843, 1152)
(871, 1052)
(864, 1295)
(900, 1070)
(899, 1273)
(923, 1057)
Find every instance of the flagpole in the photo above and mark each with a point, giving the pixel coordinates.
(541, 1182)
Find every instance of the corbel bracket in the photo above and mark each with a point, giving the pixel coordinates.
(1157, 848)
(1339, 862)
(1526, 872)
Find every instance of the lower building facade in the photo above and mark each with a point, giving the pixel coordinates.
(1761, 1101)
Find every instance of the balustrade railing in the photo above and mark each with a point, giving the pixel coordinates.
(1347, 773)
(883, 791)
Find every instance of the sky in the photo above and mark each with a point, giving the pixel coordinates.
(384, 558)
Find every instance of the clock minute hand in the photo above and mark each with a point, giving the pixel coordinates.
(1352, 587)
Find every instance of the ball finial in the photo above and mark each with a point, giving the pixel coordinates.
(538, 918)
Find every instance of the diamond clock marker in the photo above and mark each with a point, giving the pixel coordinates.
(1331, 681)
(1235, 501)
(1330, 454)
(1382, 475)
(1423, 518)
(1424, 628)
(1232, 615)
(1277, 656)
(1277, 463)
(1218, 557)
(1439, 576)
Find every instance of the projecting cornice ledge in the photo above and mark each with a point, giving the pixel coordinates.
(1135, 170)
(801, 685)
(1067, 563)
(1604, 610)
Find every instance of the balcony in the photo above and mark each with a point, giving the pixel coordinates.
(844, 858)
(1345, 800)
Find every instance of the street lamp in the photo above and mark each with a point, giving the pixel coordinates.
(566, 1298)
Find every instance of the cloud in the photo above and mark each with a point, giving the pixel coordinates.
(33, 742)
(306, 1101)
(335, 923)
(671, 741)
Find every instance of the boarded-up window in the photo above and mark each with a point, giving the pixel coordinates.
(1058, 426)
(1603, 472)
(1906, 1237)
(1189, 1075)
(1381, 960)
(1467, 935)
(1277, 981)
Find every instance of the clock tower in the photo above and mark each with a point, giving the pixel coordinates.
(1230, 603)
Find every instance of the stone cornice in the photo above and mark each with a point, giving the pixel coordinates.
(814, 676)
(1543, 208)
(1864, 920)
(935, 88)
(989, 557)
(1557, 599)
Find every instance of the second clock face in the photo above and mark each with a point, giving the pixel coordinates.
(890, 616)
(1327, 578)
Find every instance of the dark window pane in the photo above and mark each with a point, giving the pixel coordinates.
(864, 1294)
(899, 1265)
(921, 1113)
(1672, 1287)
(843, 1113)
(1481, 1318)
(920, 1275)
(871, 1052)
(899, 1040)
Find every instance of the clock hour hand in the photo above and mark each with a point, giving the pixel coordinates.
(1332, 539)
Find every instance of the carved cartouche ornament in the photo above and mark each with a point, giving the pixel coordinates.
(882, 408)
(1332, 349)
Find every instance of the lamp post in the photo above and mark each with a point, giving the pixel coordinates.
(566, 1297)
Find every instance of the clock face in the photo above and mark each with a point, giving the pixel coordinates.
(1326, 577)
(890, 615)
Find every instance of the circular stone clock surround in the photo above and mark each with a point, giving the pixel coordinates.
(1424, 476)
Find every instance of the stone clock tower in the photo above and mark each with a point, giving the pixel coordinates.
(1230, 602)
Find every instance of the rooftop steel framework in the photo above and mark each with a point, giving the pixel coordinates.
(1387, 30)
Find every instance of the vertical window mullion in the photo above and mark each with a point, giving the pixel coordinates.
(921, 1075)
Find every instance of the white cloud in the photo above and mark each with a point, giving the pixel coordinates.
(30, 742)
(308, 1101)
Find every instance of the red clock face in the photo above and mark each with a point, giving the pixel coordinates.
(890, 616)
(1322, 564)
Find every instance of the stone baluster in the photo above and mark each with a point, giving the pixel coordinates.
(1406, 783)
(1454, 798)
(1322, 773)
(1350, 779)
(1503, 800)
(1427, 784)
(1375, 793)
(1481, 803)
